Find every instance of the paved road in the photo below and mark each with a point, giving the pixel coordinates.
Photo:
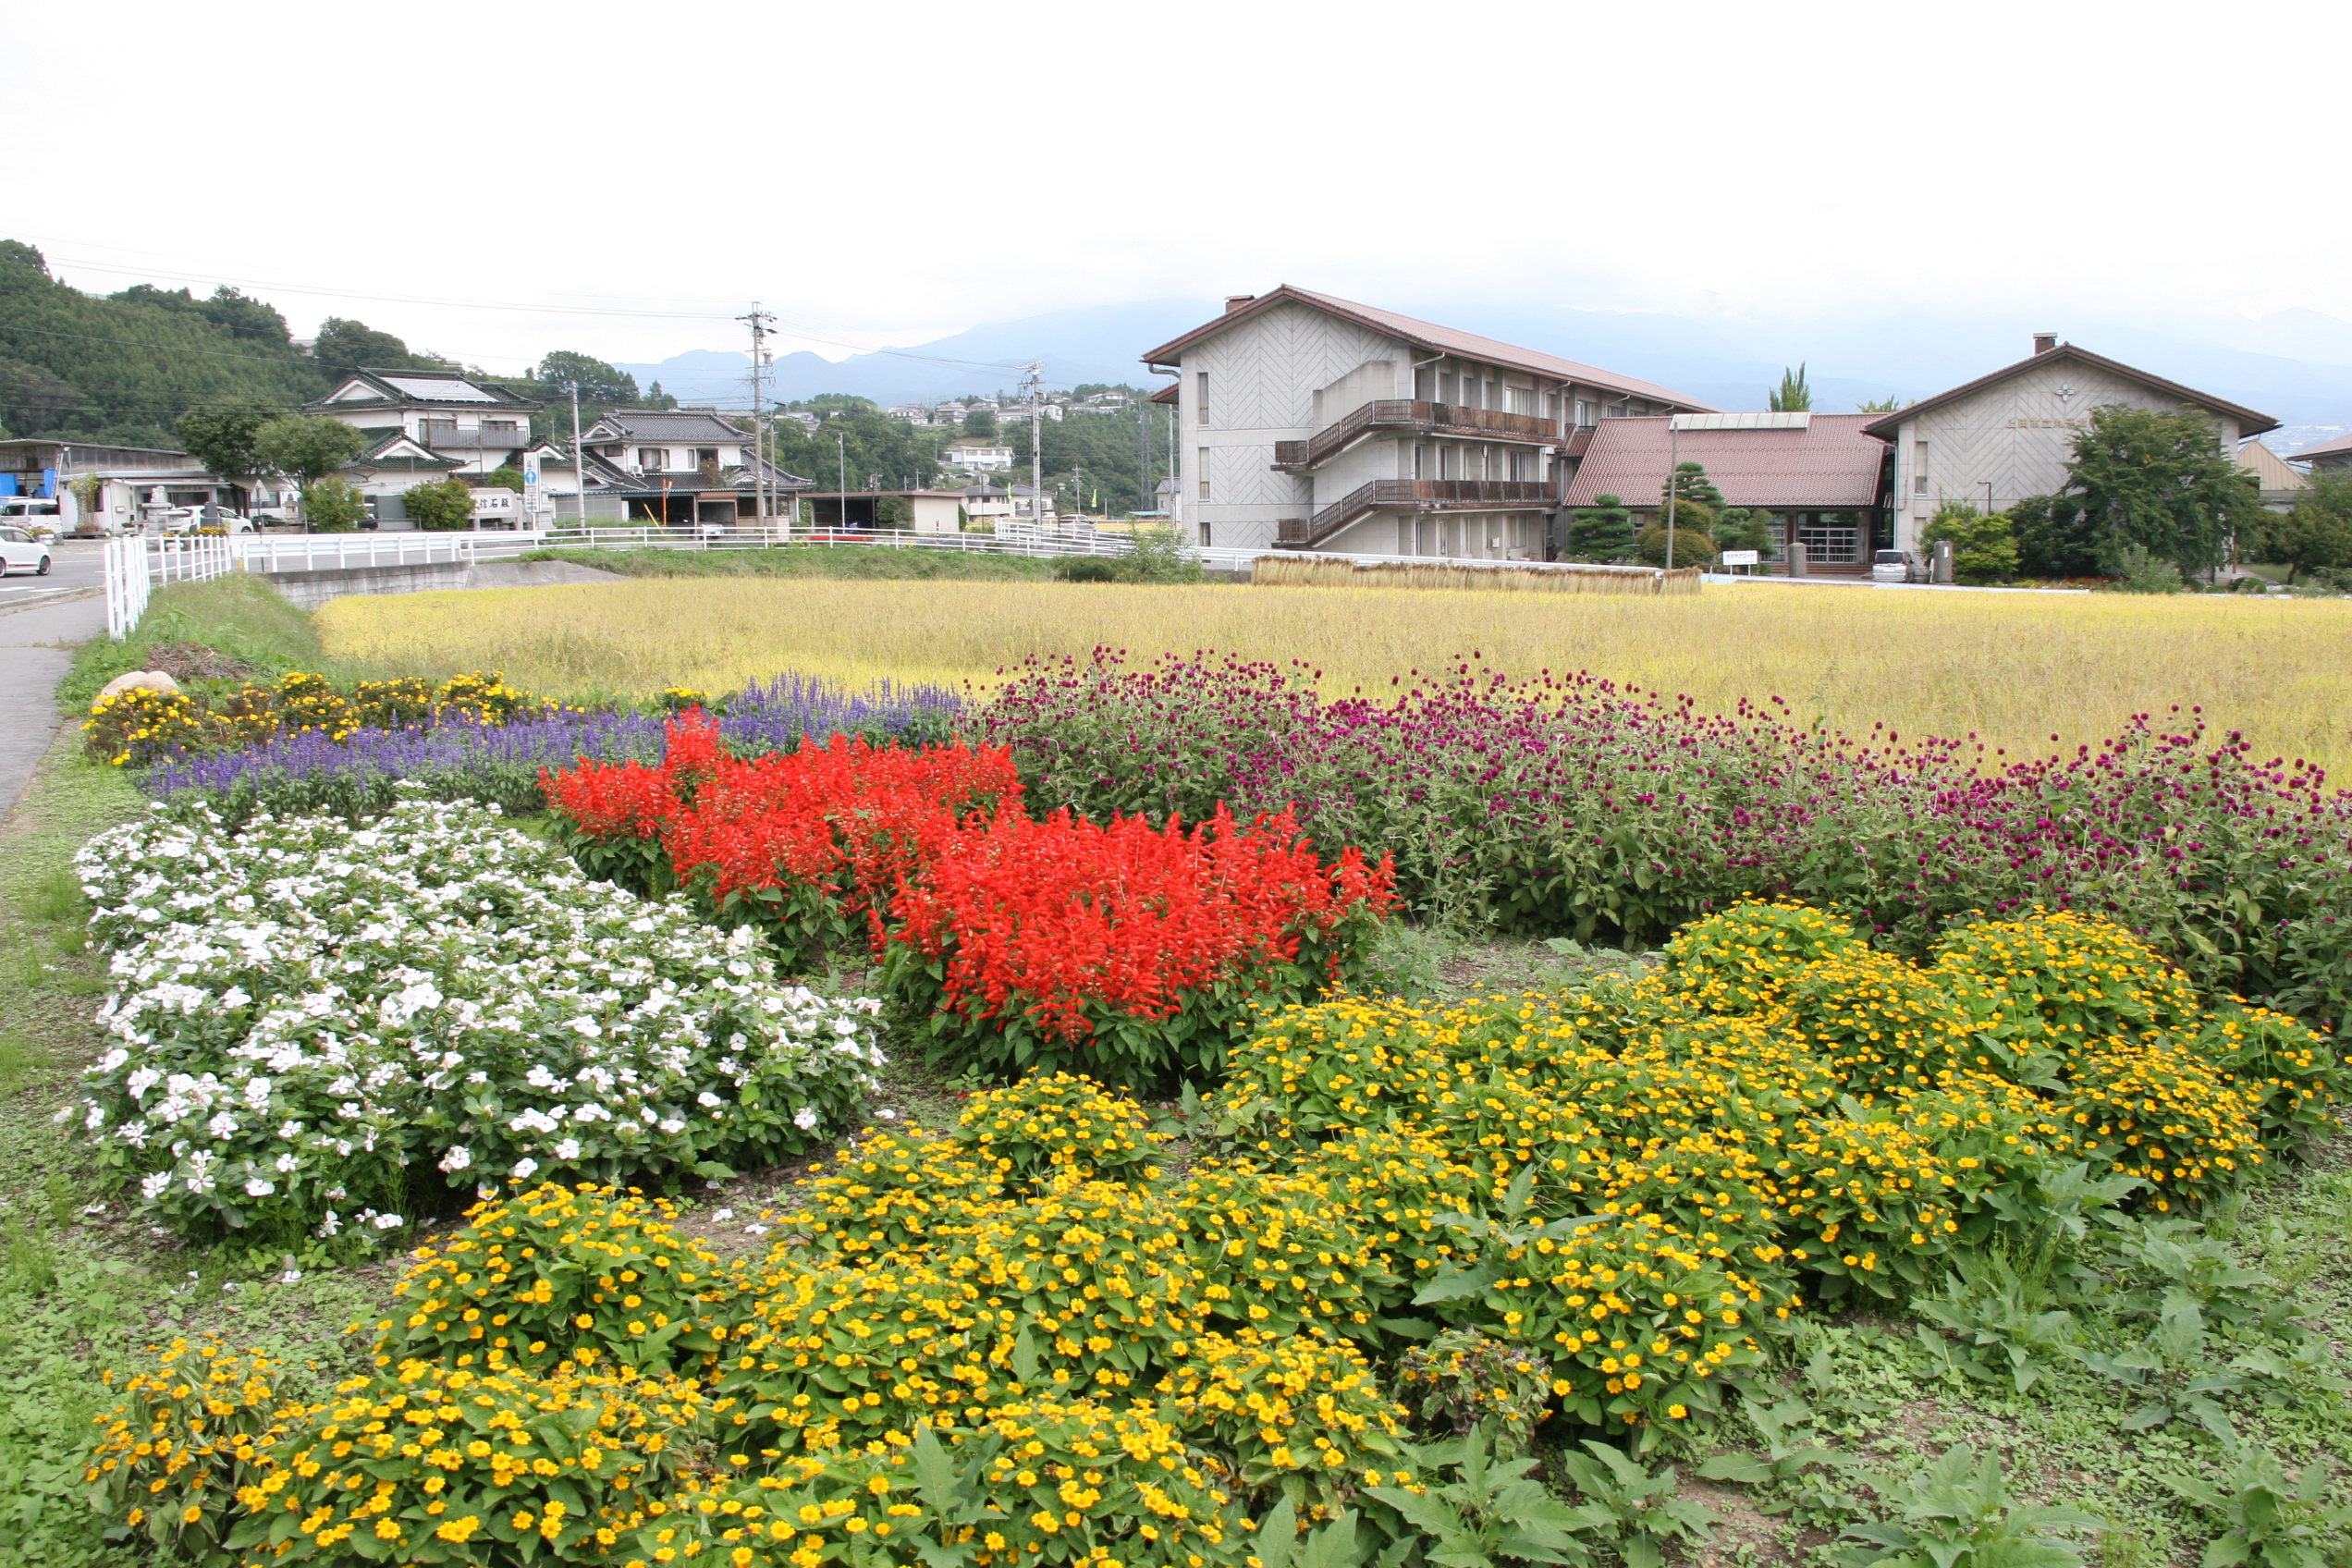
(40, 619)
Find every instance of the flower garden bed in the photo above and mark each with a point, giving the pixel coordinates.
(1988, 1083)
(315, 1027)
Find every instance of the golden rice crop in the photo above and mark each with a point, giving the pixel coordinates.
(2015, 669)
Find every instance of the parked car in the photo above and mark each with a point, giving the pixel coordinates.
(1892, 566)
(190, 520)
(20, 548)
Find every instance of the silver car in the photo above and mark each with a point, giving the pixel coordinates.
(1892, 566)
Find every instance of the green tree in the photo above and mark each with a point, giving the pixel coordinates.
(1689, 483)
(1793, 397)
(2316, 536)
(1737, 529)
(2160, 479)
(556, 374)
(1983, 547)
(2055, 536)
(221, 434)
(1886, 405)
(333, 505)
(1694, 536)
(980, 424)
(1602, 531)
(343, 345)
(306, 448)
(444, 505)
(506, 477)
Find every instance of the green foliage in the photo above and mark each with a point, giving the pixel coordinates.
(2160, 480)
(1602, 531)
(1467, 1380)
(1957, 1514)
(871, 445)
(600, 385)
(1983, 549)
(980, 424)
(1693, 537)
(1086, 569)
(1634, 1509)
(307, 448)
(241, 615)
(1795, 397)
(1689, 483)
(1739, 529)
(1791, 1446)
(1158, 554)
(1491, 1513)
(506, 477)
(2141, 570)
(2055, 536)
(1108, 447)
(1054, 1124)
(1886, 405)
(333, 505)
(223, 434)
(893, 511)
(122, 368)
(443, 504)
(2269, 1518)
(2316, 536)
(343, 345)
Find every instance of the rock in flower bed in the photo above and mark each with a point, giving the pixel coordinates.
(315, 1025)
(353, 774)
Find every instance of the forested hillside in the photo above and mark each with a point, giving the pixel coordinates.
(123, 367)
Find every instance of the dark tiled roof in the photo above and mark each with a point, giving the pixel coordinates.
(1832, 462)
(667, 424)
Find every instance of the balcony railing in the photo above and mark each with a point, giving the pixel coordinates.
(479, 438)
(1415, 494)
(1412, 415)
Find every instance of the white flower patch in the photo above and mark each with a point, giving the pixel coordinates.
(303, 1010)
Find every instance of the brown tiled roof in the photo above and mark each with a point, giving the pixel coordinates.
(1169, 393)
(2324, 450)
(2248, 421)
(1832, 462)
(1428, 334)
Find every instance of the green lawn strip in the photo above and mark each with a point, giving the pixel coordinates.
(241, 615)
(810, 560)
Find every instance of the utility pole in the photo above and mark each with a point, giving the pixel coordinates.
(1674, 461)
(759, 321)
(1144, 497)
(579, 463)
(1036, 387)
(841, 451)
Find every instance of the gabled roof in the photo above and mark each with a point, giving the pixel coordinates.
(396, 448)
(1425, 335)
(2270, 470)
(2341, 445)
(662, 424)
(601, 472)
(367, 387)
(2248, 421)
(1828, 461)
(1169, 393)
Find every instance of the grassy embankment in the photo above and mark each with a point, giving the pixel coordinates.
(2016, 671)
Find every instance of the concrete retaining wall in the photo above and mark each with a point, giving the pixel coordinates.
(309, 590)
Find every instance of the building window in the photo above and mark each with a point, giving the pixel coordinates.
(1919, 468)
(1552, 406)
(1200, 473)
(653, 460)
(1420, 461)
(1445, 386)
(1200, 398)
(1425, 384)
(1584, 413)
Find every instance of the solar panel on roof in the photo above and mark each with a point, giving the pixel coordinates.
(437, 390)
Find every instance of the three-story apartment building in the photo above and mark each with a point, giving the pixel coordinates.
(1312, 422)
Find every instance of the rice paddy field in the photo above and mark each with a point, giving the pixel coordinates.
(2018, 671)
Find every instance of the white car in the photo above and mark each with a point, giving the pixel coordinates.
(1890, 566)
(20, 548)
(189, 520)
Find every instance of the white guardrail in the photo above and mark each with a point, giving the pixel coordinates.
(136, 566)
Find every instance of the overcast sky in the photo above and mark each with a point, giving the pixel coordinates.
(888, 173)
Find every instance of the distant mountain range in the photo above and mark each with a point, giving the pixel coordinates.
(2294, 365)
